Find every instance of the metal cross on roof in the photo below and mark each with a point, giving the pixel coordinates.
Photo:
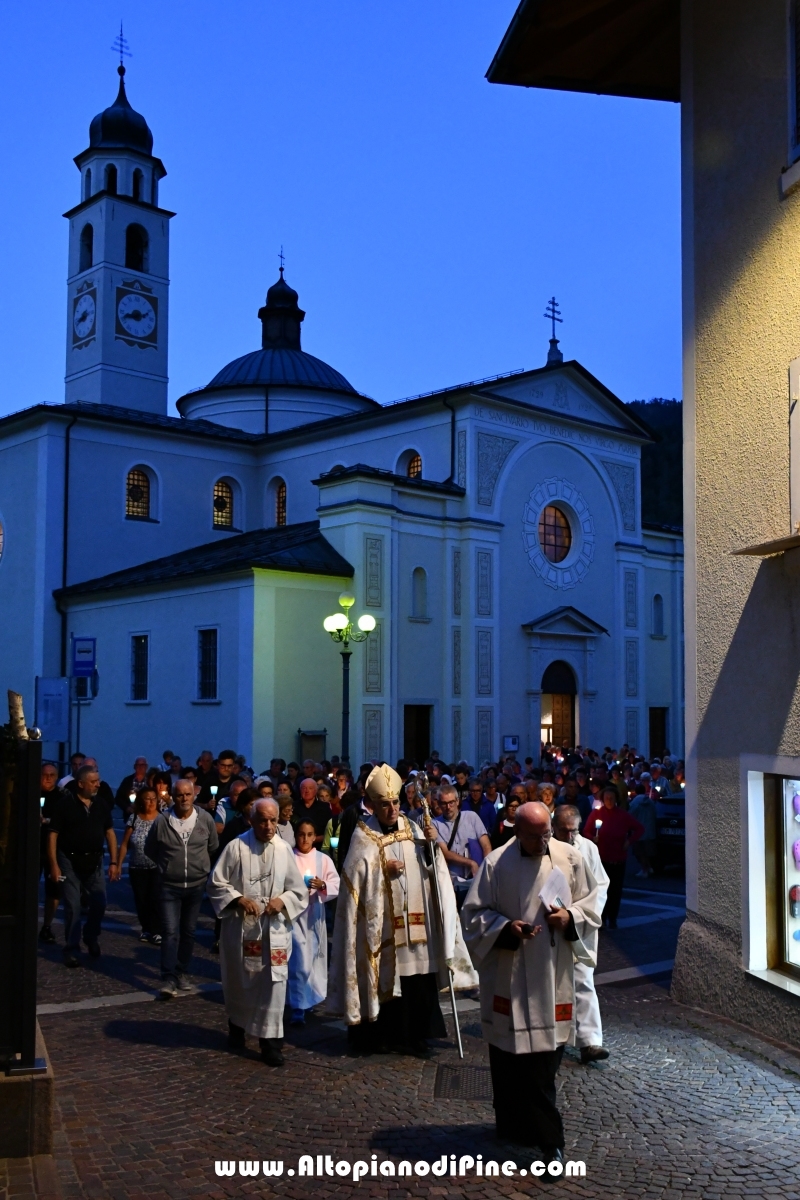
(120, 46)
(282, 258)
(553, 314)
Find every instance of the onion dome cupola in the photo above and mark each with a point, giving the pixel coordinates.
(120, 127)
(281, 318)
(279, 386)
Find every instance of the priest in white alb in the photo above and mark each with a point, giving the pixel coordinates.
(393, 947)
(526, 920)
(257, 892)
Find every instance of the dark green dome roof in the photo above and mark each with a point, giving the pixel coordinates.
(119, 127)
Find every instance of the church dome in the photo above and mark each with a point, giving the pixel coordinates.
(280, 367)
(279, 386)
(119, 127)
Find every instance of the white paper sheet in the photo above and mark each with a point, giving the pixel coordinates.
(555, 892)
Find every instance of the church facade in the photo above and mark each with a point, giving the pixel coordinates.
(493, 530)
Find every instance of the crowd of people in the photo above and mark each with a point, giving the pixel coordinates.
(268, 850)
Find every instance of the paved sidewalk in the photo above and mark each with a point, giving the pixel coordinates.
(148, 1097)
(687, 1106)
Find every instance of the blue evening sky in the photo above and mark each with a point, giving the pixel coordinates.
(426, 215)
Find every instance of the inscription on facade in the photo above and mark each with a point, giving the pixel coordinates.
(540, 425)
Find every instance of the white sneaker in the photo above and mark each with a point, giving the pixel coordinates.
(643, 874)
(185, 984)
(169, 990)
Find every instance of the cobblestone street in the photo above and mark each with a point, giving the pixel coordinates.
(148, 1098)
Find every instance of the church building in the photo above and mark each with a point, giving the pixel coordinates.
(492, 530)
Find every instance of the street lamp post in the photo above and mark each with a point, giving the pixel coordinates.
(343, 631)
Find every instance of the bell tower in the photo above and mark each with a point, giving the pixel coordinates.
(118, 275)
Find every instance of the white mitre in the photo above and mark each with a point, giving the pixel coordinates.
(383, 783)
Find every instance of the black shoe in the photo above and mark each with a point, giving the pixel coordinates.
(590, 1054)
(93, 947)
(553, 1154)
(235, 1037)
(46, 935)
(271, 1051)
(71, 960)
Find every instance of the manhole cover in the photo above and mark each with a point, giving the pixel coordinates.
(463, 1083)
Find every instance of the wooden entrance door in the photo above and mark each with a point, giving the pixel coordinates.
(563, 720)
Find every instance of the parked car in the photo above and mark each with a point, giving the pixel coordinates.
(670, 831)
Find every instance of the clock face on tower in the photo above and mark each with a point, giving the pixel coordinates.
(137, 317)
(84, 314)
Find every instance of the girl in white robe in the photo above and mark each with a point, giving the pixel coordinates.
(308, 965)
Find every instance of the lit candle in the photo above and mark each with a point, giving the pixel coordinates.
(334, 841)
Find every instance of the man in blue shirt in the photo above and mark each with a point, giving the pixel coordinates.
(476, 802)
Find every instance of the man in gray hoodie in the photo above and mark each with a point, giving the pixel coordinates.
(181, 843)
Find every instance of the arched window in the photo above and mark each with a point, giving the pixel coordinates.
(555, 535)
(223, 505)
(154, 190)
(280, 502)
(137, 495)
(658, 615)
(111, 179)
(87, 183)
(2, 539)
(419, 593)
(87, 248)
(136, 247)
(138, 182)
(414, 468)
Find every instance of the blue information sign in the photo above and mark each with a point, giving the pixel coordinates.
(84, 657)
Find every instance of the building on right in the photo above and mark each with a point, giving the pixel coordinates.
(734, 69)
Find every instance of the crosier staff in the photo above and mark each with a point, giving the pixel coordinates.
(420, 786)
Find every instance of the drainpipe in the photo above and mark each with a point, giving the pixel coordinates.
(65, 545)
(64, 548)
(447, 404)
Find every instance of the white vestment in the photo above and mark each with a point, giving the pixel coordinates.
(527, 994)
(253, 982)
(588, 1023)
(388, 927)
(308, 966)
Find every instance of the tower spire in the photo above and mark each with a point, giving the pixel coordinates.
(553, 314)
